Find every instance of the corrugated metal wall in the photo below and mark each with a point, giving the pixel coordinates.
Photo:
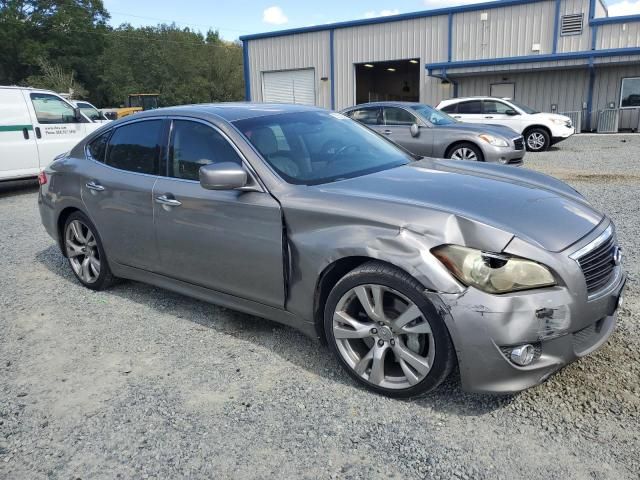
(507, 32)
(565, 88)
(575, 43)
(420, 38)
(607, 90)
(618, 35)
(305, 50)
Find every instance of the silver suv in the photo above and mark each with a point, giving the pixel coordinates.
(425, 131)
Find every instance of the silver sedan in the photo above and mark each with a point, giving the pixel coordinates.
(425, 131)
(404, 266)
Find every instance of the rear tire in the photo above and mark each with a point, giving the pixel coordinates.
(465, 151)
(397, 345)
(85, 253)
(537, 140)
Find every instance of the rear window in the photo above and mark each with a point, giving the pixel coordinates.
(453, 108)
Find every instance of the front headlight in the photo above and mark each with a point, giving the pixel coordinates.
(493, 272)
(558, 121)
(495, 141)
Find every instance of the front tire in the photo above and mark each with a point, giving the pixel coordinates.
(465, 151)
(537, 140)
(85, 253)
(386, 333)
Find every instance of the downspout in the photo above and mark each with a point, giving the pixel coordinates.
(332, 71)
(245, 66)
(592, 68)
(451, 81)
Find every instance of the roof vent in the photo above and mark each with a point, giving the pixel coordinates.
(572, 24)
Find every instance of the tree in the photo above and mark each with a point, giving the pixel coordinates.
(70, 34)
(54, 77)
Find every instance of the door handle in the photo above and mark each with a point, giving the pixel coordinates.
(387, 132)
(457, 116)
(38, 133)
(488, 117)
(25, 133)
(95, 186)
(169, 202)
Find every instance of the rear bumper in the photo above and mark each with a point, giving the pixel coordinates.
(484, 327)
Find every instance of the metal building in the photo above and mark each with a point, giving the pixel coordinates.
(565, 56)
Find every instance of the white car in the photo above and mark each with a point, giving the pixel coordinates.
(35, 127)
(92, 113)
(540, 130)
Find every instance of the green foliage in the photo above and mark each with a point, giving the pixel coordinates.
(68, 42)
(54, 77)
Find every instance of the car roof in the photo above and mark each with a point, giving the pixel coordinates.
(463, 99)
(386, 104)
(231, 112)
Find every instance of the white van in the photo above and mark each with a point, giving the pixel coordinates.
(35, 127)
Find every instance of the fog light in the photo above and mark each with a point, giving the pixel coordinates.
(523, 355)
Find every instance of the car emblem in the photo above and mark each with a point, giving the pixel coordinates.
(617, 256)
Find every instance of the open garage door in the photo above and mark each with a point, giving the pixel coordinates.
(289, 86)
(398, 80)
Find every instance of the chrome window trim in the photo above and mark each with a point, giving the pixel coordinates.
(260, 187)
(599, 240)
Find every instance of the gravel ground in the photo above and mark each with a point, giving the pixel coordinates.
(138, 382)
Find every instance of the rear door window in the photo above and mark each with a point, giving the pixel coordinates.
(470, 107)
(368, 116)
(453, 108)
(194, 145)
(135, 147)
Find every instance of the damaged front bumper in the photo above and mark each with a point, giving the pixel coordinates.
(484, 329)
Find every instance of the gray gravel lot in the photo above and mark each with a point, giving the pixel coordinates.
(138, 382)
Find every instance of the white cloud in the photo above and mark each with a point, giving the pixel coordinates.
(274, 15)
(381, 13)
(625, 7)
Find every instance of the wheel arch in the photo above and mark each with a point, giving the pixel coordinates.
(331, 275)
(62, 219)
(457, 143)
(541, 127)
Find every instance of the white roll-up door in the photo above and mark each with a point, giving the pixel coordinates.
(289, 86)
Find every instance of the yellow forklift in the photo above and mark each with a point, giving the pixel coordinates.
(136, 102)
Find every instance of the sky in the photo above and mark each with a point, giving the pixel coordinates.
(240, 17)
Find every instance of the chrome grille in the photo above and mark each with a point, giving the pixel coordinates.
(518, 143)
(598, 264)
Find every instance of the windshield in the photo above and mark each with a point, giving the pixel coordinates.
(434, 116)
(524, 108)
(90, 111)
(311, 148)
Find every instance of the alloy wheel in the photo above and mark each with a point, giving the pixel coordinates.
(536, 141)
(463, 153)
(383, 336)
(82, 251)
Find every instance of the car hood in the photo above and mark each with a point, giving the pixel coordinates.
(534, 207)
(497, 130)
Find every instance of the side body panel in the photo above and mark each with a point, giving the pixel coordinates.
(230, 241)
(18, 149)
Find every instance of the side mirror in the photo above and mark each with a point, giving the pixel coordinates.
(511, 113)
(223, 176)
(77, 114)
(415, 130)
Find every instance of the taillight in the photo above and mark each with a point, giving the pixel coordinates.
(42, 178)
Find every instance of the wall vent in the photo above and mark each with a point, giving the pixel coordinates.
(572, 24)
